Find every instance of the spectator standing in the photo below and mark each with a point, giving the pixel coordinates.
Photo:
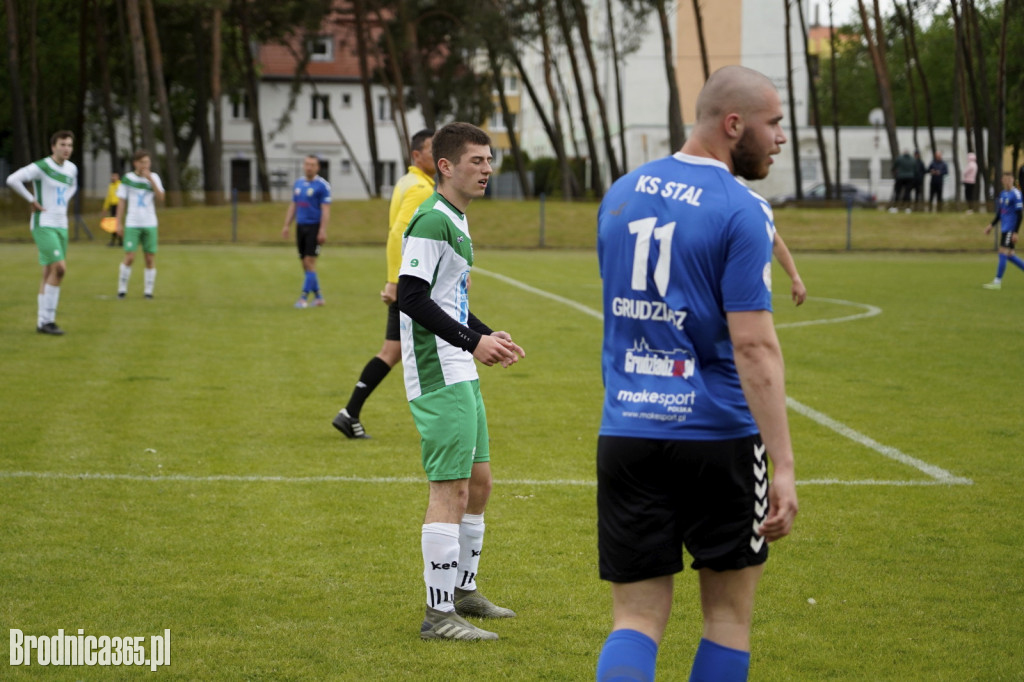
(937, 170)
(970, 179)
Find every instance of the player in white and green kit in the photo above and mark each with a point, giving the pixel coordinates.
(54, 181)
(441, 342)
(136, 221)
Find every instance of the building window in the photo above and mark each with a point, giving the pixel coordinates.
(500, 123)
(383, 108)
(860, 169)
(321, 49)
(887, 168)
(809, 169)
(346, 167)
(511, 85)
(319, 107)
(346, 100)
(239, 107)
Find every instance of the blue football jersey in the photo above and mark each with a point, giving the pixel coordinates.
(680, 242)
(1008, 205)
(309, 196)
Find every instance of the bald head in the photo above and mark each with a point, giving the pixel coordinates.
(739, 119)
(732, 90)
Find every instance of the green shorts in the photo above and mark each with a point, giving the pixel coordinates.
(452, 423)
(136, 236)
(52, 243)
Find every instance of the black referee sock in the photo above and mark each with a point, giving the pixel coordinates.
(374, 373)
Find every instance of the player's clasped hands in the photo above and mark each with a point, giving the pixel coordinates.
(498, 348)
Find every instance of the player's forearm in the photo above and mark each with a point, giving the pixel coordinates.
(18, 185)
(325, 217)
(761, 369)
(785, 259)
(414, 300)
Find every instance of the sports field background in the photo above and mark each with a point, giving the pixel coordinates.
(171, 464)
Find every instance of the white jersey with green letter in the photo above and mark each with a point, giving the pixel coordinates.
(437, 249)
(53, 186)
(137, 193)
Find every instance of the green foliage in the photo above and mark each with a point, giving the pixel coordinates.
(233, 514)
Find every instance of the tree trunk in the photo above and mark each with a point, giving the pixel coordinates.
(983, 117)
(20, 150)
(595, 170)
(835, 95)
(925, 90)
(570, 187)
(971, 113)
(215, 165)
(619, 97)
(499, 83)
(142, 97)
(106, 89)
(37, 145)
(359, 9)
(582, 25)
(676, 129)
(396, 91)
(699, 19)
(415, 61)
(797, 172)
(173, 182)
(877, 50)
(814, 104)
(252, 91)
(1000, 134)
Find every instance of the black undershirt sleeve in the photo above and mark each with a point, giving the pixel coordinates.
(1020, 216)
(414, 300)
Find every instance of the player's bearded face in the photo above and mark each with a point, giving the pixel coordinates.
(749, 160)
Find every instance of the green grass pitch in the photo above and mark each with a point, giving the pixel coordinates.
(171, 464)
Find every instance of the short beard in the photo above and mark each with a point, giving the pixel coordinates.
(746, 162)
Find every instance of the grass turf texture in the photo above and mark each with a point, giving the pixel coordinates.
(219, 379)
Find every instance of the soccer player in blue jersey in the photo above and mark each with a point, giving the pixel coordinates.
(311, 210)
(442, 340)
(1009, 209)
(54, 181)
(695, 403)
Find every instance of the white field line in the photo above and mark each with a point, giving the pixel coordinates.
(938, 476)
(229, 478)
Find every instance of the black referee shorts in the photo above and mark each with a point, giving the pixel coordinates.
(656, 496)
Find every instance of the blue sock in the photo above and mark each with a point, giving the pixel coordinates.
(1002, 266)
(627, 656)
(1017, 261)
(717, 663)
(314, 284)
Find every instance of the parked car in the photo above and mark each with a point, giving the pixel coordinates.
(816, 193)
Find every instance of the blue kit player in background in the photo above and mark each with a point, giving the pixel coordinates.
(311, 210)
(1008, 216)
(695, 403)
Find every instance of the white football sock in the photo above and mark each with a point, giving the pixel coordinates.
(51, 296)
(440, 544)
(471, 543)
(124, 274)
(148, 280)
(40, 308)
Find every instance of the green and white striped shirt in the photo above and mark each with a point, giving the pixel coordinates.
(437, 249)
(53, 186)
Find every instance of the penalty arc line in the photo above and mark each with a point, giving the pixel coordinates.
(938, 475)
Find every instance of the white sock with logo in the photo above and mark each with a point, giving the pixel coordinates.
(471, 543)
(124, 274)
(440, 544)
(51, 296)
(148, 280)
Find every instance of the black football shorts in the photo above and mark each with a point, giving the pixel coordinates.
(656, 496)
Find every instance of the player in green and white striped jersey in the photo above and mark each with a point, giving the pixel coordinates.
(136, 221)
(54, 181)
(440, 340)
